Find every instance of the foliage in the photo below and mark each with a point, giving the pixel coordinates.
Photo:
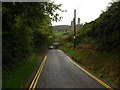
(14, 79)
(104, 31)
(98, 45)
(106, 28)
(26, 29)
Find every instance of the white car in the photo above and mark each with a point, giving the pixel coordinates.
(50, 47)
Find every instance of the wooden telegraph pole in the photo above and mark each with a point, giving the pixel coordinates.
(74, 28)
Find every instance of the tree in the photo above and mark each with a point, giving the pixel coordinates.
(26, 28)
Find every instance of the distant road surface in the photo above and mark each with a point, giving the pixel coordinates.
(60, 72)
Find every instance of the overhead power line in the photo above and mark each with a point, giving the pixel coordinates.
(80, 4)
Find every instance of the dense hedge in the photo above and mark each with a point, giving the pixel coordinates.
(26, 29)
(104, 31)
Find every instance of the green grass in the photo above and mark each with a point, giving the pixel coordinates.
(18, 78)
(71, 52)
(60, 33)
(103, 65)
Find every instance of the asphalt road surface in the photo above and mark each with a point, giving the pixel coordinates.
(60, 72)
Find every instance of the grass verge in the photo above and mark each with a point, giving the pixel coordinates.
(103, 65)
(18, 78)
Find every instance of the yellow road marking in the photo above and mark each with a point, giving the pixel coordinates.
(40, 71)
(35, 80)
(101, 82)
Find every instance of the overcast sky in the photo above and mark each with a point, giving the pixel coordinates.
(86, 10)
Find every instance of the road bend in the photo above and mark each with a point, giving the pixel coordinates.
(60, 72)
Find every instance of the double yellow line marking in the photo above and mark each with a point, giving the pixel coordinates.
(35, 80)
(101, 82)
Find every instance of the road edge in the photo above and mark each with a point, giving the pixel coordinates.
(37, 75)
(91, 75)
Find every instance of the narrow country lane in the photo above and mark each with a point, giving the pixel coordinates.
(60, 72)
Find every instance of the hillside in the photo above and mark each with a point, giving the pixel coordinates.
(60, 28)
(98, 46)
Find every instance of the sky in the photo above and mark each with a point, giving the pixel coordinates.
(86, 10)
